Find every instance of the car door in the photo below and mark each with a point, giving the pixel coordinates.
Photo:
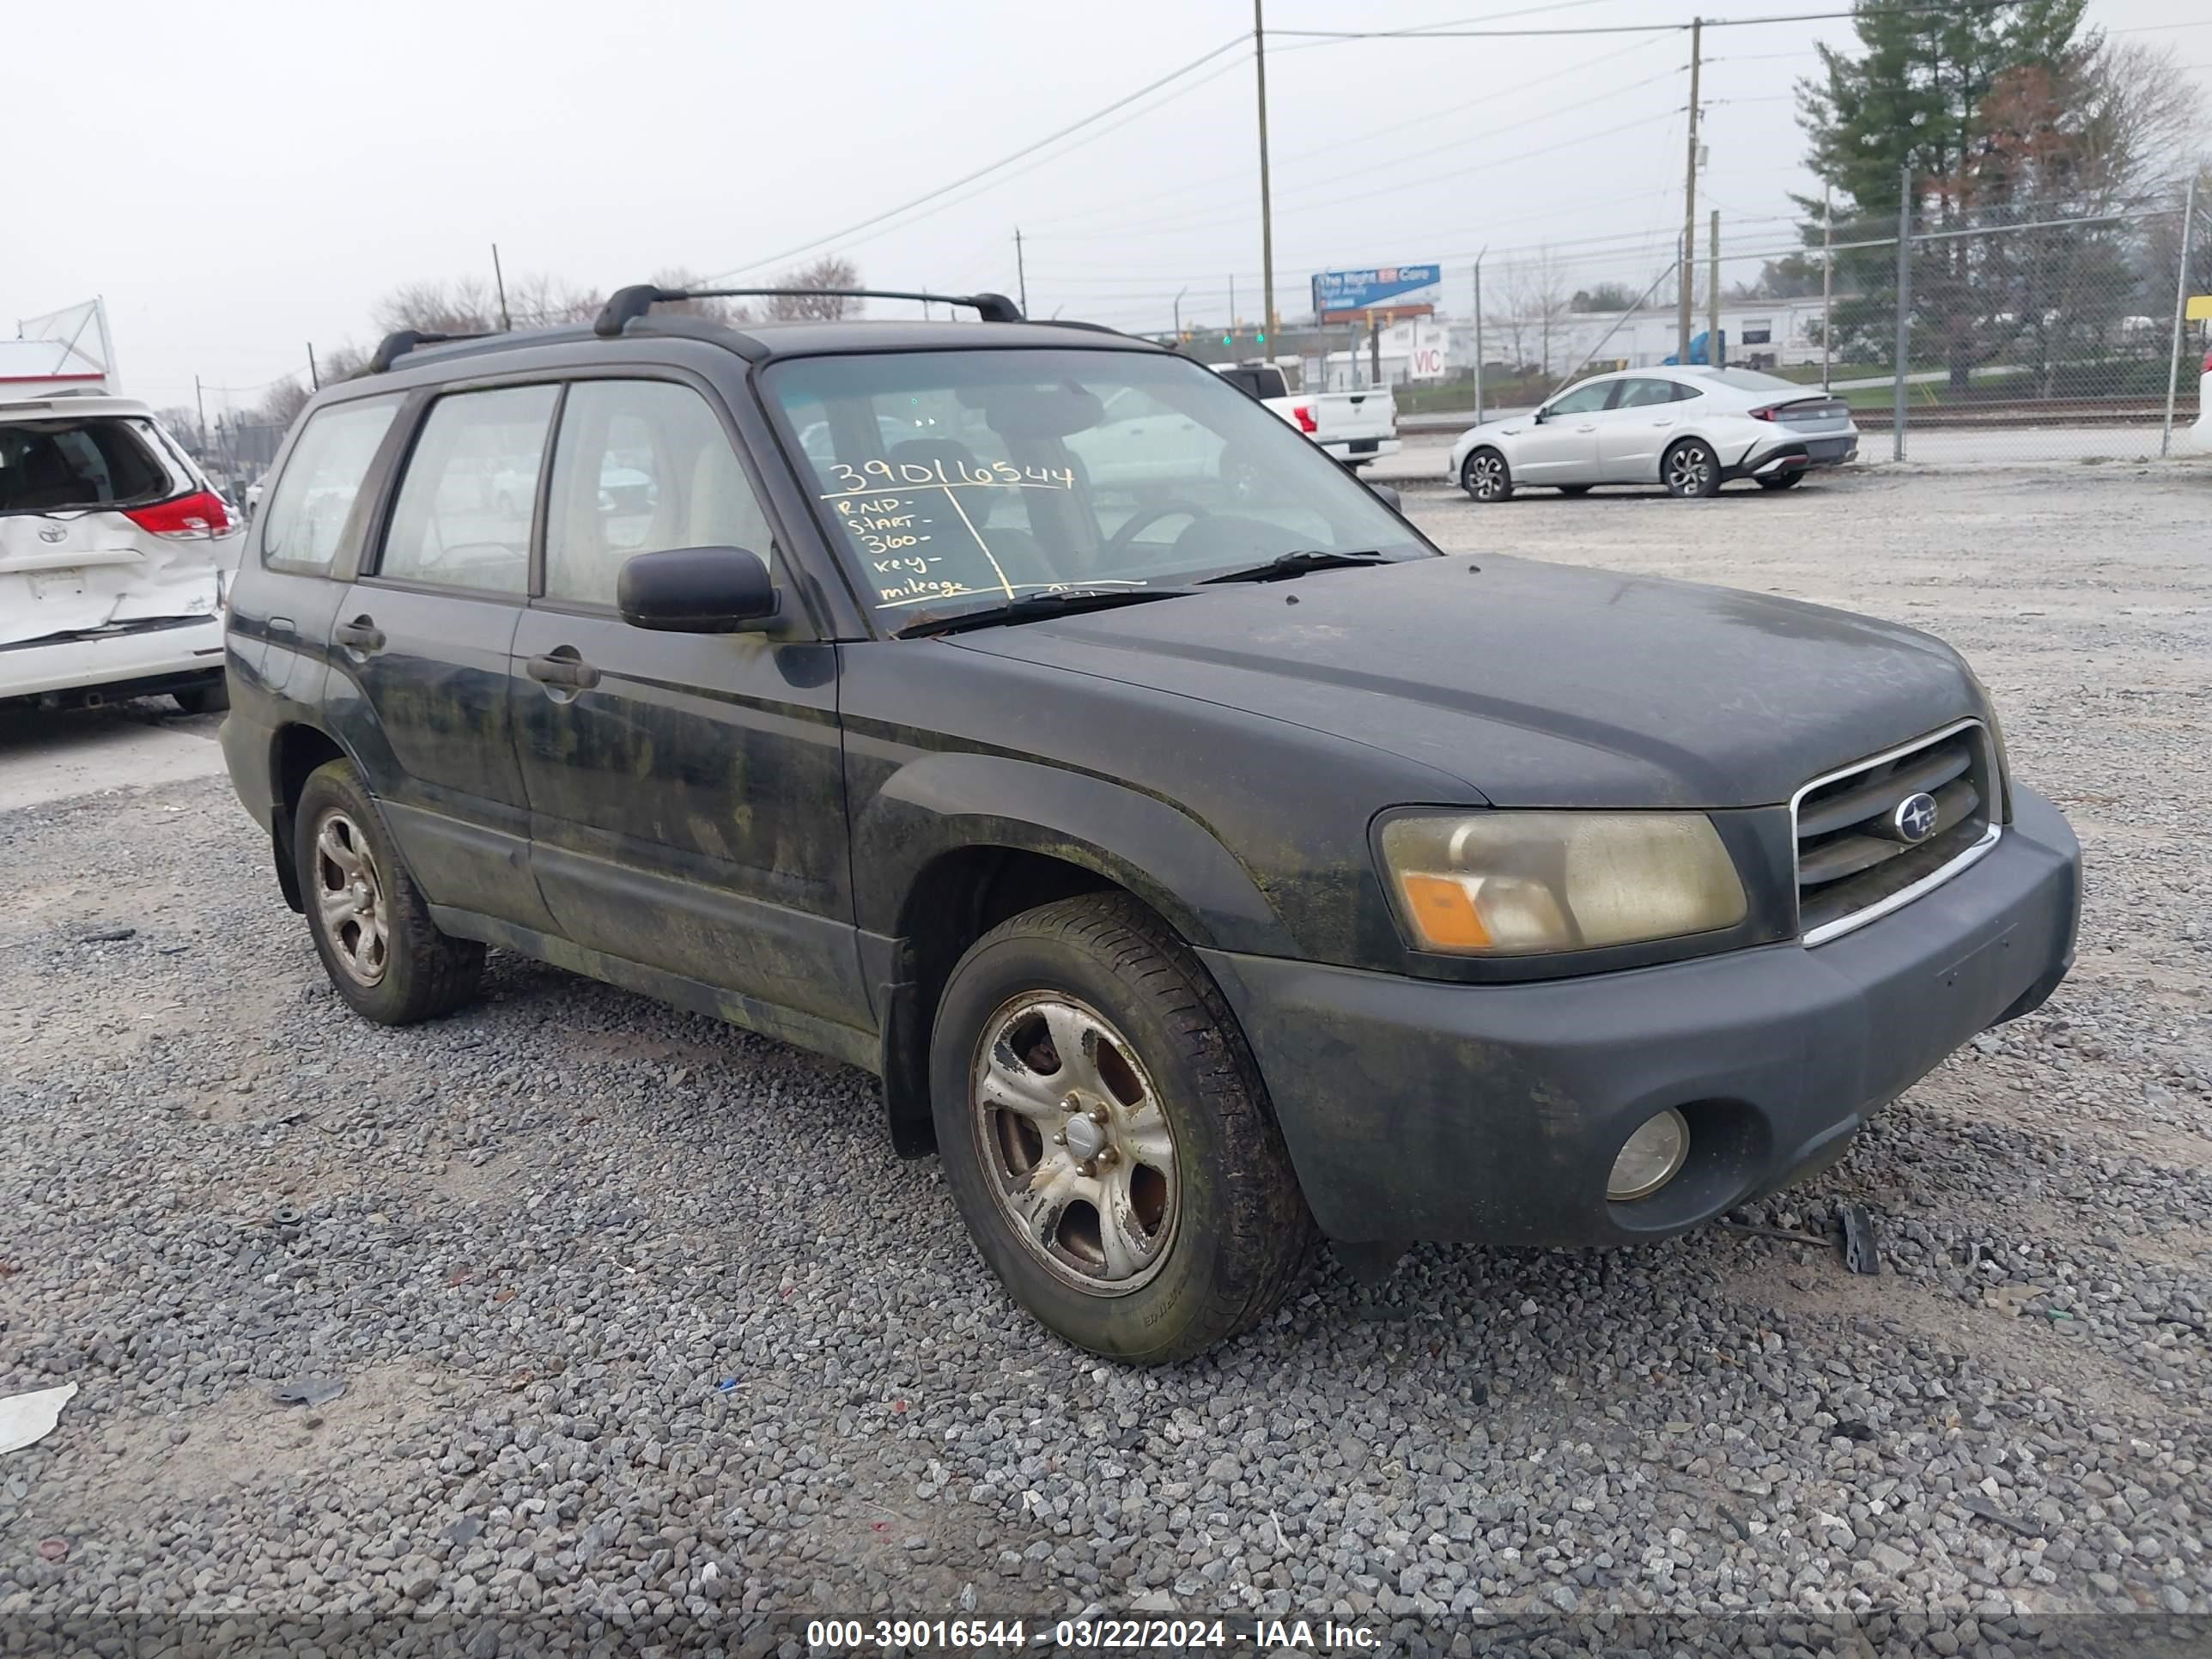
(1562, 446)
(686, 790)
(418, 653)
(1637, 428)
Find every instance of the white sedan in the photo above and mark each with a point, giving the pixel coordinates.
(1692, 429)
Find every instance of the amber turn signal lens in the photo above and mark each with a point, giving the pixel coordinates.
(1443, 913)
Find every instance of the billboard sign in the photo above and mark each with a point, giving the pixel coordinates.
(1399, 287)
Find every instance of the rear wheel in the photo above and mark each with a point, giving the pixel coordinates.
(1486, 478)
(1106, 1136)
(371, 925)
(1782, 480)
(1690, 469)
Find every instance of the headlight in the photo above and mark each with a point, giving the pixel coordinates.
(1514, 884)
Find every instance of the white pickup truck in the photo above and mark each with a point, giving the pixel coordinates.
(1354, 427)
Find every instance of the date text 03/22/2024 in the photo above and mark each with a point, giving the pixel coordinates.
(1079, 1635)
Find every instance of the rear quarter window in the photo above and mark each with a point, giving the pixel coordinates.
(305, 517)
(89, 462)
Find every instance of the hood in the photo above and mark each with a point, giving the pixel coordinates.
(1537, 684)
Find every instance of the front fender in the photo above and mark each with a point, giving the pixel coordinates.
(944, 803)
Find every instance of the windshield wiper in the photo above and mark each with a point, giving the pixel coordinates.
(1033, 607)
(1284, 566)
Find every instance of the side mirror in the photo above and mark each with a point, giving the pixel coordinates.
(1540, 415)
(697, 590)
(1388, 497)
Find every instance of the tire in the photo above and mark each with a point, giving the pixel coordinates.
(1782, 480)
(1574, 490)
(213, 698)
(385, 955)
(1486, 477)
(1690, 470)
(1212, 1230)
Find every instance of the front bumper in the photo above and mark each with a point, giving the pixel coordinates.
(138, 661)
(1417, 1109)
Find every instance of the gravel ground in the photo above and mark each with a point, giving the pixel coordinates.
(644, 1332)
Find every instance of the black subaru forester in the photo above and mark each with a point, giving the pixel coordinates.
(1201, 860)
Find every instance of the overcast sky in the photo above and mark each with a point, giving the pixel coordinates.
(240, 177)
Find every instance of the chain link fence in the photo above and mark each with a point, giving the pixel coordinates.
(2035, 333)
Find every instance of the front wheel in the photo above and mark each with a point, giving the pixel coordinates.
(371, 925)
(1690, 469)
(1486, 478)
(1106, 1136)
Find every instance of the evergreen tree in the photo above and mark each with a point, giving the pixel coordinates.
(1974, 98)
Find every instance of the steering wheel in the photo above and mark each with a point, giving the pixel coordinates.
(1143, 518)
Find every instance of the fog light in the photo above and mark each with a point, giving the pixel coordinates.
(1652, 1157)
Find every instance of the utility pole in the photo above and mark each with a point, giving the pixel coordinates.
(498, 281)
(1477, 334)
(1690, 199)
(314, 374)
(2181, 302)
(1021, 270)
(1714, 355)
(200, 400)
(1904, 306)
(1180, 292)
(1232, 308)
(1266, 204)
(1828, 281)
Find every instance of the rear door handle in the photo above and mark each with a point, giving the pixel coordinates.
(569, 673)
(361, 635)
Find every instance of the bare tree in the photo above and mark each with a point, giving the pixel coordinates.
(471, 304)
(720, 311)
(1538, 295)
(180, 423)
(831, 270)
(280, 404)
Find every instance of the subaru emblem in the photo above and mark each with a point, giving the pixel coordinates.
(1914, 820)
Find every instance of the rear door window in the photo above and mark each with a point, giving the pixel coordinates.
(466, 505)
(305, 517)
(70, 464)
(640, 466)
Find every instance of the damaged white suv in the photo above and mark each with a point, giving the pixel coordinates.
(115, 555)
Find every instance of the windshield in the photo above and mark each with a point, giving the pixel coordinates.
(954, 480)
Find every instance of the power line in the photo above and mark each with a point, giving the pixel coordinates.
(1212, 180)
(1234, 65)
(1641, 28)
(1007, 160)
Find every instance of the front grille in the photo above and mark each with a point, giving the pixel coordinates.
(1855, 863)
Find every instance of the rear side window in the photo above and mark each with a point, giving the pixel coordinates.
(464, 509)
(1260, 383)
(69, 466)
(642, 466)
(305, 517)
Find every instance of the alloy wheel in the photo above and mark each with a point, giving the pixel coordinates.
(349, 899)
(1075, 1143)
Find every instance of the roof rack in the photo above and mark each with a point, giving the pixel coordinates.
(397, 345)
(628, 304)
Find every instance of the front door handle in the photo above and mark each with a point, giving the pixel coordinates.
(562, 668)
(360, 636)
(1592, 428)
